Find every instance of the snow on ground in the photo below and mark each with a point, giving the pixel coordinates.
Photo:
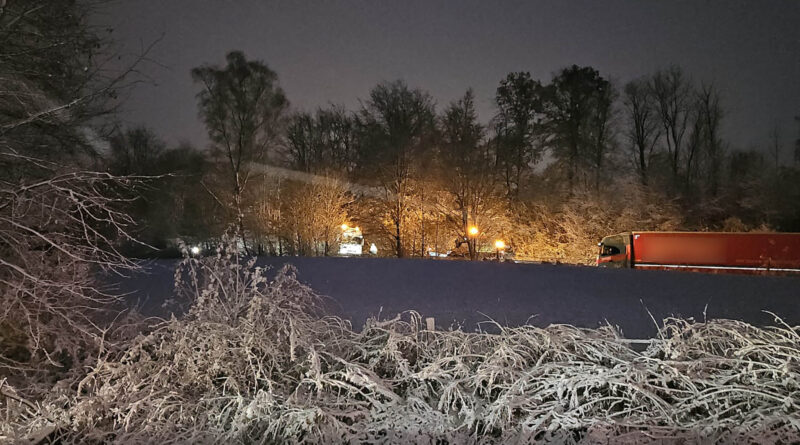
(468, 293)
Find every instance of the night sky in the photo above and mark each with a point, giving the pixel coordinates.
(334, 52)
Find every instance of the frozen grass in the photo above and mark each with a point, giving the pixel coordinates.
(257, 361)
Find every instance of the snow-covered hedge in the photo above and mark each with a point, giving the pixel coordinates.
(257, 361)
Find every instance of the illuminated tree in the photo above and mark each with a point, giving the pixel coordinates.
(466, 168)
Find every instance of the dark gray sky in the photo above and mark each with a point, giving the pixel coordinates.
(334, 52)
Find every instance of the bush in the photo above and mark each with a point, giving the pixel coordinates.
(569, 232)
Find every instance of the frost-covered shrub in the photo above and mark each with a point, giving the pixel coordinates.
(568, 231)
(257, 361)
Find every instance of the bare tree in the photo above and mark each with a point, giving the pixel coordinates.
(674, 100)
(59, 220)
(775, 145)
(135, 151)
(322, 143)
(311, 215)
(602, 125)
(711, 114)
(304, 143)
(55, 230)
(642, 126)
(243, 108)
(694, 145)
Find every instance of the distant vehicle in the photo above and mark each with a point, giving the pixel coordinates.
(352, 241)
(715, 252)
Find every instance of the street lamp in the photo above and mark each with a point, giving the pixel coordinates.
(472, 241)
(344, 227)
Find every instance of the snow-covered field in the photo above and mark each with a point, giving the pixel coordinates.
(467, 293)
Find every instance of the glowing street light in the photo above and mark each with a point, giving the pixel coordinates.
(195, 250)
(473, 230)
(344, 227)
(500, 245)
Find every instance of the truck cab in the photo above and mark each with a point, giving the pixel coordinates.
(351, 242)
(614, 251)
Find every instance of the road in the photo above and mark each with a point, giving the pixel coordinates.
(467, 293)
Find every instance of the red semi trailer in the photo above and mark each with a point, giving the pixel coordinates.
(728, 252)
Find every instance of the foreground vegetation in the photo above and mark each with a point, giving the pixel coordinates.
(256, 360)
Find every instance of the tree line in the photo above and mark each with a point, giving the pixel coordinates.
(562, 162)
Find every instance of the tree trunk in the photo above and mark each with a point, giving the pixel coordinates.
(398, 239)
(237, 198)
